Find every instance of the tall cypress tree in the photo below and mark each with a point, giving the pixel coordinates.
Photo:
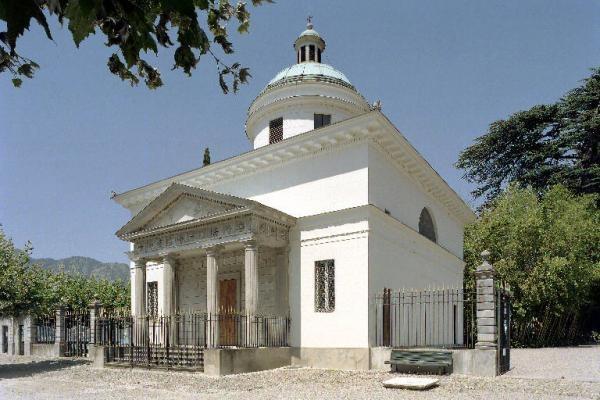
(206, 160)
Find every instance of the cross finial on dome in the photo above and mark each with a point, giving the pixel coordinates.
(309, 24)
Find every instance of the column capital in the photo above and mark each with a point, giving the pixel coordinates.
(250, 245)
(95, 304)
(213, 251)
(169, 259)
(140, 262)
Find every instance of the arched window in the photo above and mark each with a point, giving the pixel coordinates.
(426, 227)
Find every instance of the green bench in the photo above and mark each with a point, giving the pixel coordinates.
(420, 361)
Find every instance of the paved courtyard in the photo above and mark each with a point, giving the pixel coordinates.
(566, 373)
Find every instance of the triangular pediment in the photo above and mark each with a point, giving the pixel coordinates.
(181, 203)
(187, 208)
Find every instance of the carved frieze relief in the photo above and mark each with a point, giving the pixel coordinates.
(230, 230)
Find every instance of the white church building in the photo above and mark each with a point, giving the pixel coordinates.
(331, 205)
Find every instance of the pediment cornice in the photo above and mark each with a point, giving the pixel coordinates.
(206, 207)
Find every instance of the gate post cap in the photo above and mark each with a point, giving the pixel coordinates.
(95, 303)
(485, 269)
(485, 255)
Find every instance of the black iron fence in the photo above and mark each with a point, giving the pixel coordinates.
(548, 329)
(503, 321)
(76, 331)
(45, 329)
(179, 340)
(444, 318)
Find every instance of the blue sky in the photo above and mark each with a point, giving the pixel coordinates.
(443, 70)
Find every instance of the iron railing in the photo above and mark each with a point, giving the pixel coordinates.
(45, 329)
(76, 333)
(443, 318)
(179, 340)
(547, 329)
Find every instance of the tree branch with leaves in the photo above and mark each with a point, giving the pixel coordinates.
(133, 27)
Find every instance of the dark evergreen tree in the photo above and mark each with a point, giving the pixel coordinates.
(540, 147)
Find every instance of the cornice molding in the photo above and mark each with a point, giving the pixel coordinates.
(372, 126)
(305, 100)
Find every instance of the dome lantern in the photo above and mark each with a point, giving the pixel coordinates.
(305, 96)
(309, 45)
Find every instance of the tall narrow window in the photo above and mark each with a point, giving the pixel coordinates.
(311, 52)
(302, 53)
(324, 286)
(275, 130)
(426, 226)
(318, 55)
(322, 120)
(152, 308)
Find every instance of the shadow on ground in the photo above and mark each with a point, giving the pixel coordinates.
(12, 371)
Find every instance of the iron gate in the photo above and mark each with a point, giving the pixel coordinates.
(76, 333)
(503, 308)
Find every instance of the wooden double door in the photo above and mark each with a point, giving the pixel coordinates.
(228, 303)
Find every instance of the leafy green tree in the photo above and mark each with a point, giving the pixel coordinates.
(21, 285)
(27, 288)
(546, 248)
(541, 147)
(132, 27)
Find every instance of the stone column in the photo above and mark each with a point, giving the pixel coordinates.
(168, 281)
(140, 288)
(251, 293)
(487, 336)
(212, 296)
(168, 303)
(251, 278)
(140, 323)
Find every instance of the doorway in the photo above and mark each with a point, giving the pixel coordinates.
(228, 294)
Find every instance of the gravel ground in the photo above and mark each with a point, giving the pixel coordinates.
(534, 376)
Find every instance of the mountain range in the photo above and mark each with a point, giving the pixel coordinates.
(86, 266)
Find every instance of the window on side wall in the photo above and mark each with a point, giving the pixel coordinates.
(152, 299)
(275, 130)
(322, 120)
(426, 225)
(324, 286)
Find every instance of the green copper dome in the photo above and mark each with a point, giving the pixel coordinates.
(310, 32)
(309, 71)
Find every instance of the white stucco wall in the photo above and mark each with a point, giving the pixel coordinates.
(392, 189)
(341, 236)
(326, 181)
(297, 104)
(401, 258)
(296, 120)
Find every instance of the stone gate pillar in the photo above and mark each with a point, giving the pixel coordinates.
(487, 335)
(94, 315)
(59, 335)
